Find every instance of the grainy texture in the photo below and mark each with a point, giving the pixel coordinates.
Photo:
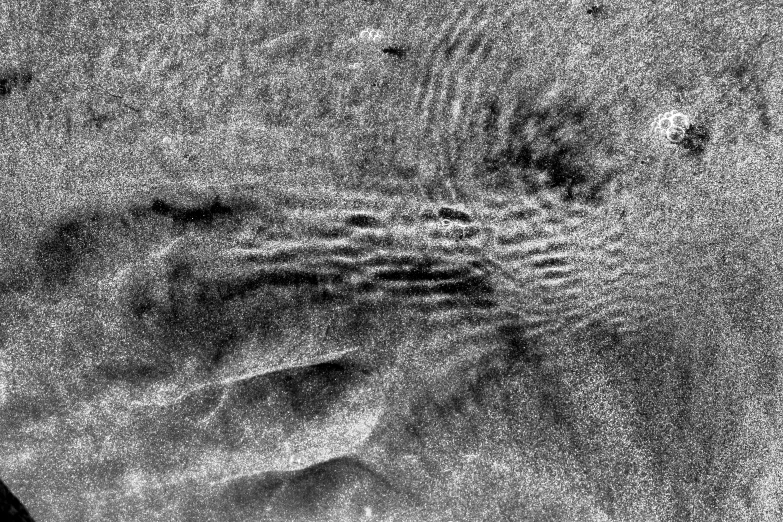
(487, 104)
(535, 308)
(322, 355)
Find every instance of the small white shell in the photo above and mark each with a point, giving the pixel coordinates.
(672, 125)
(680, 120)
(372, 36)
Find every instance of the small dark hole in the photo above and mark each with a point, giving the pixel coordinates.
(14, 78)
(453, 214)
(596, 10)
(396, 52)
(362, 221)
